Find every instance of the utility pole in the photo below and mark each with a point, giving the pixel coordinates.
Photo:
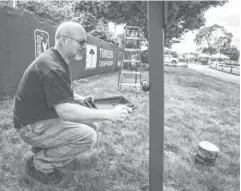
(156, 96)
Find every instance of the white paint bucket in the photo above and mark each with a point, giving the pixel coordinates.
(207, 153)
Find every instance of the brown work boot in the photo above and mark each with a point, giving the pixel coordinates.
(45, 178)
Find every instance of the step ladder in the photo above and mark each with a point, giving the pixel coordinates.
(131, 66)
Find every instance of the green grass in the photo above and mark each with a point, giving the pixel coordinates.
(197, 108)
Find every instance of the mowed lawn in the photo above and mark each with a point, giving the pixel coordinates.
(197, 108)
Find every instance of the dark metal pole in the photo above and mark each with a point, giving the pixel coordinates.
(156, 96)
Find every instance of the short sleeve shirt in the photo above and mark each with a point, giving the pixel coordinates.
(46, 82)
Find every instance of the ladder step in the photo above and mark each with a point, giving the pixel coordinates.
(132, 49)
(137, 61)
(129, 84)
(133, 38)
(131, 72)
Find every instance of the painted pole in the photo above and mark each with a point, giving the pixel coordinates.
(156, 94)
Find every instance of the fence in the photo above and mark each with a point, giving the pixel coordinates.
(226, 68)
(23, 37)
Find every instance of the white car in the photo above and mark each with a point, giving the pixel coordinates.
(168, 59)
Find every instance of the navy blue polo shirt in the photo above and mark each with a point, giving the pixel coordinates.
(46, 82)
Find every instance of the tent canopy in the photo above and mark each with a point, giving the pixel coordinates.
(204, 56)
(218, 55)
(190, 56)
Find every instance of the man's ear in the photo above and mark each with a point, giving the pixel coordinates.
(63, 42)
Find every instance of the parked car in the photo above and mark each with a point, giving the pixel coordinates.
(182, 62)
(169, 59)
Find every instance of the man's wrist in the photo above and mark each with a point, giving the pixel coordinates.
(104, 114)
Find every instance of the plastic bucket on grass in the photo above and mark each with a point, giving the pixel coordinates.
(207, 153)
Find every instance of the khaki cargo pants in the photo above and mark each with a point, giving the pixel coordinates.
(60, 141)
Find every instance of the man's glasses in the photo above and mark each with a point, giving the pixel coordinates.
(81, 42)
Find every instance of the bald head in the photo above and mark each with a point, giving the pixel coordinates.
(71, 40)
(70, 29)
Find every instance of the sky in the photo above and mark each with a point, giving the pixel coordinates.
(227, 16)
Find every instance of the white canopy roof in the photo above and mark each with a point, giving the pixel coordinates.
(204, 55)
(218, 55)
(190, 56)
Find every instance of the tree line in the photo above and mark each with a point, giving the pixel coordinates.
(215, 39)
(180, 16)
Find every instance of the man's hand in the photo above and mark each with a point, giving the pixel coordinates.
(120, 113)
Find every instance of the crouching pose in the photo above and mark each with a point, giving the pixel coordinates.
(45, 114)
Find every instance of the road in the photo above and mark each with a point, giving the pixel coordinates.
(217, 74)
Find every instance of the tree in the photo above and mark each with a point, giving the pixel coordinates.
(101, 31)
(205, 35)
(43, 9)
(182, 16)
(208, 50)
(194, 54)
(212, 38)
(232, 52)
(223, 41)
(59, 11)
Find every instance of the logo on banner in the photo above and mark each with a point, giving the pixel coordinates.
(91, 57)
(106, 57)
(119, 59)
(41, 39)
